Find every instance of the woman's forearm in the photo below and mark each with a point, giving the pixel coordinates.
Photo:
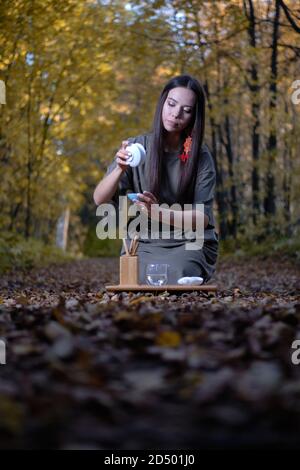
(181, 219)
(107, 187)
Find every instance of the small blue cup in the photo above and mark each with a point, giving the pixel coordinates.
(132, 196)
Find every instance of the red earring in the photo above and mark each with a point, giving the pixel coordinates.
(187, 149)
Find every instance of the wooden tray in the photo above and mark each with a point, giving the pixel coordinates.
(174, 287)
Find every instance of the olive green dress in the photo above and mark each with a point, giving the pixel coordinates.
(182, 262)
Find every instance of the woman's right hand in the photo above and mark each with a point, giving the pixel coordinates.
(122, 155)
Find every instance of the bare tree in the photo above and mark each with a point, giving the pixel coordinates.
(269, 201)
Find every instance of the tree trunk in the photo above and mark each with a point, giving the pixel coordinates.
(269, 201)
(255, 107)
(62, 230)
(28, 201)
(29, 167)
(220, 194)
(233, 200)
(287, 181)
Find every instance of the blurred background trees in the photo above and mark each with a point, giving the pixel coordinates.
(83, 76)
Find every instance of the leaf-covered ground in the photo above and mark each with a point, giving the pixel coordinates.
(88, 369)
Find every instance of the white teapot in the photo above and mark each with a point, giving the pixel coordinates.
(138, 154)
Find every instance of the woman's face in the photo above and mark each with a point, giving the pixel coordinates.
(178, 109)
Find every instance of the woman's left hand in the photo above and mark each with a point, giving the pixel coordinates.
(145, 200)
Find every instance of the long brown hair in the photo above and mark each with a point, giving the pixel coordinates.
(195, 129)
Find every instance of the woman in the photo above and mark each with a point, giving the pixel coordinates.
(178, 169)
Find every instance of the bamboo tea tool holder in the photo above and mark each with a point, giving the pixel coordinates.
(129, 264)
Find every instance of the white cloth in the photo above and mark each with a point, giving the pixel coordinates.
(193, 280)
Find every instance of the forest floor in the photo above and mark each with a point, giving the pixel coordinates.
(87, 369)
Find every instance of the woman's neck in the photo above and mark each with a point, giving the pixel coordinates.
(172, 141)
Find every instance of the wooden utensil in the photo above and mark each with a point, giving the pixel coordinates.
(136, 242)
(125, 246)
